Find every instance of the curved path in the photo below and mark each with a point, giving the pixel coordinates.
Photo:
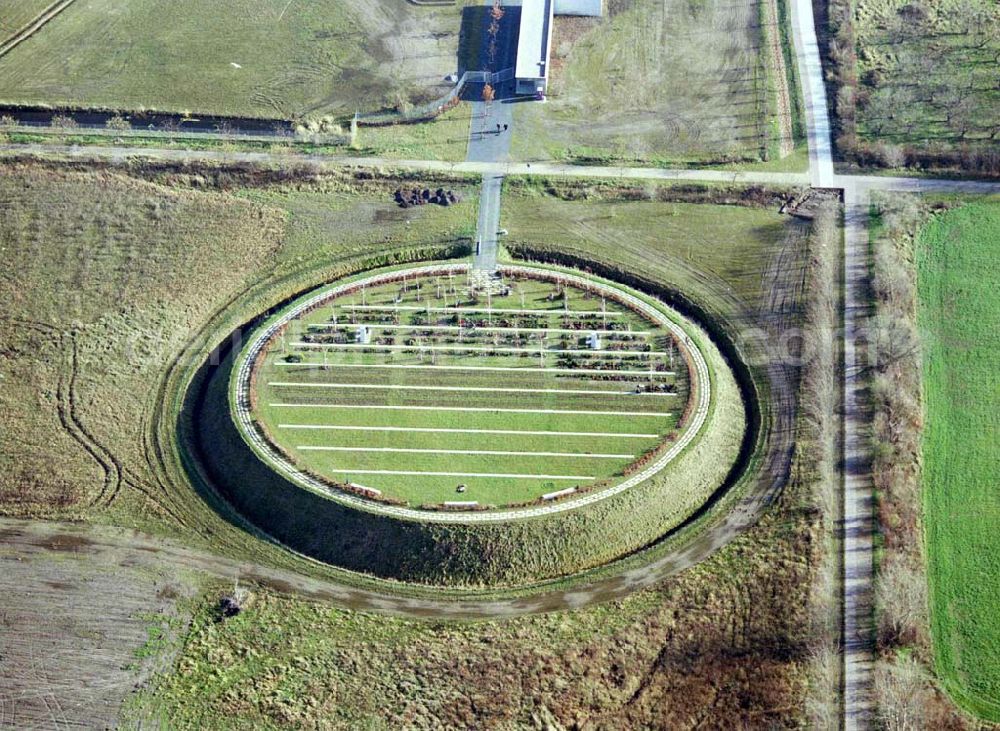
(263, 449)
(146, 549)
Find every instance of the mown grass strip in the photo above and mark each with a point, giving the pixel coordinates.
(526, 369)
(476, 348)
(483, 310)
(444, 430)
(478, 328)
(486, 409)
(502, 475)
(491, 452)
(477, 389)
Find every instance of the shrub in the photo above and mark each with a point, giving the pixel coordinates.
(118, 123)
(64, 122)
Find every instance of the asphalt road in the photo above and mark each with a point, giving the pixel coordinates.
(813, 93)
(121, 154)
(488, 140)
(857, 636)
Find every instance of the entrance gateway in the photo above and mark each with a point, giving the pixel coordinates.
(534, 43)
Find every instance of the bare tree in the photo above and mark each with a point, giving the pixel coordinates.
(902, 692)
(901, 597)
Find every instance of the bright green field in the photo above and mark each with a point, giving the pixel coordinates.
(259, 58)
(958, 259)
(573, 414)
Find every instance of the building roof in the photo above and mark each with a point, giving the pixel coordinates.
(592, 8)
(533, 39)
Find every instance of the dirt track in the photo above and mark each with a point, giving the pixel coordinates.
(34, 26)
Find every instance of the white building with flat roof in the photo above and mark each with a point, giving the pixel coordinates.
(589, 8)
(534, 41)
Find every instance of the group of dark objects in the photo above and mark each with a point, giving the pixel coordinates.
(407, 197)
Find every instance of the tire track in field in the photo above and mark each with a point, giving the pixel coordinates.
(34, 26)
(66, 405)
(115, 474)
(70, 418)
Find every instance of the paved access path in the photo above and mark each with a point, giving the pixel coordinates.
(488, 226)
(122, 154)
(857, 635)
(813, 93)
(489, 142)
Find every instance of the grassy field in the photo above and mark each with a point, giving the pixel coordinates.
(419, 373)
(957, 261)
(265, 58)
(715, 255)
(124, 266)
(16, 14)
(446, 137)
(653, 82)
(913, 83)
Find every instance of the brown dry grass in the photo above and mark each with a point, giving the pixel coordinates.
(114, 276)
(906, 692)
